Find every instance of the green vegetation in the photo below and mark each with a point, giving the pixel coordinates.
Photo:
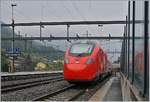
(34, 51)
(55, 66)
(4, 63)
(33, 47)
(47, 66)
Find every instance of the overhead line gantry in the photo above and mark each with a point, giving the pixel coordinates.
(71, 23)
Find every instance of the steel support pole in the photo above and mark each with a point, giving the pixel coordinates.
(128, 39)
(13, 61)
(13, 28)
(133, 41)
(40, 32)
(146, 49)
(25, 43)
(68, 32)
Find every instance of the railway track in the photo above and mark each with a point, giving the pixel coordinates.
(93, 89)
(27, 76)
(19, 86)
(58, 95)
(70, 93)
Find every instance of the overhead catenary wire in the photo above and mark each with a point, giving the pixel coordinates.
(52, 11)
(42, 12)
(16, 11)
(66, 9)
(80, 14)
(77, 10)
(90, 8)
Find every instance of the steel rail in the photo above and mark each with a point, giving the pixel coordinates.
(13, 77)
(72, 98)
(41, 98)
(81, 92)
(30, 84)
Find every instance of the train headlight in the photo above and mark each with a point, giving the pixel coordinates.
(89, 61)
(66, 61)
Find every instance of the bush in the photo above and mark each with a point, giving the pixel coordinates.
(4, 63)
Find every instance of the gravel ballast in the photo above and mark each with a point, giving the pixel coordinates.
(33, 92)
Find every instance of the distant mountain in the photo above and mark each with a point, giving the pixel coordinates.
(33, 47)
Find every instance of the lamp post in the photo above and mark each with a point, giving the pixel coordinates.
(13, 66)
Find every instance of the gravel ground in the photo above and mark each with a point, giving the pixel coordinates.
(16, 82)
(64, 95)
(91, 90)
(33, 92)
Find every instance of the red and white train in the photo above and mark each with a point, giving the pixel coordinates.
(85, 62)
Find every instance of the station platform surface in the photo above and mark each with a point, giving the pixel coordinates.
(27, 73)
(110, 91)
(114, 92)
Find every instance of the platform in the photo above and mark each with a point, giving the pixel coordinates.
(27, 73)
(114, 93)
(111, 91)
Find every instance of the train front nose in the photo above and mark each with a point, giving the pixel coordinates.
(76, 72)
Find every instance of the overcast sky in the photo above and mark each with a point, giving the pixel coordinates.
(66, 10)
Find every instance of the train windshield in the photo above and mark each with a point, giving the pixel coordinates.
(81, 49)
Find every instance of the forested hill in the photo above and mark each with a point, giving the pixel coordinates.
(33, 47)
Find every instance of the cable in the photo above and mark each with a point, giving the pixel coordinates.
(42, 12)
(67, 9)
(52, 12)
(80, 14)
(77, 10)
(89, 4)
(111, 42)
(18, 13)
